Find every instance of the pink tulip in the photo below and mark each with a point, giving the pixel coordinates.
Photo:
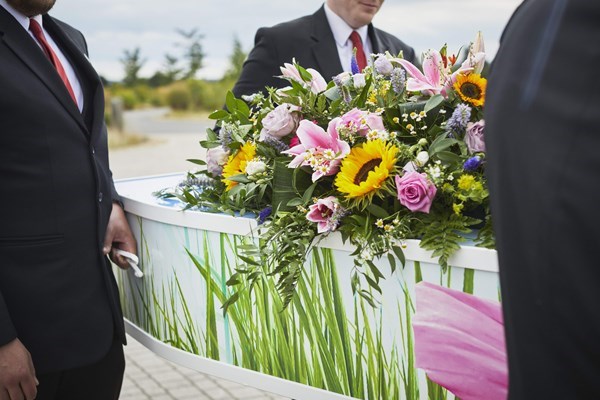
(322, 151)
(459, 342)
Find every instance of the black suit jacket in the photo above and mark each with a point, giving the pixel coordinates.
(542, 117)
(57, 292)
(310, 41)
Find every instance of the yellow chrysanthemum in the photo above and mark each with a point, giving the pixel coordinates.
(471, 88)
(466, 182)
(365, 170)
(236, 164)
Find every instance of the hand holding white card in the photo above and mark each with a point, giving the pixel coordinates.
(133, 261)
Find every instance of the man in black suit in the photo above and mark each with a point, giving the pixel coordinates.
(320, 41)
(60, 319)
(543, 136)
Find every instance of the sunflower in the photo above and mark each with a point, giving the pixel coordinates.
(471, 88)
(236, 164)
(365, 170)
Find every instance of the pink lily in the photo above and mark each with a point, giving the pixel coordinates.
(459, 342)
(322, 151)
(317, 84)
(432, 80)
(326, 213)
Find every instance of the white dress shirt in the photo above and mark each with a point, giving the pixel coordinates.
(24, 21)
(341, 33)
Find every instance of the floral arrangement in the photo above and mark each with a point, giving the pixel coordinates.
(391, 153)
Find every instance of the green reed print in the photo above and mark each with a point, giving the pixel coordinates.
(322, 339)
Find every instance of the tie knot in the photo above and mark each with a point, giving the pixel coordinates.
(35, 27)
(355, 39)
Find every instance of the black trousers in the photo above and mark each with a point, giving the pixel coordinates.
(99, 381)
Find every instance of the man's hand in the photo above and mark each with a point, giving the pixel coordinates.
(17, 374)
(118, 236)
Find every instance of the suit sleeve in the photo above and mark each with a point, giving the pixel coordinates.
(7, 330)
(261, 67)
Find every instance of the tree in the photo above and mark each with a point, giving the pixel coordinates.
(132, 64)
(193, 53)
(171, 69)
(236, 61)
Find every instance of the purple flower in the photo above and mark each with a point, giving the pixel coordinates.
(383, 66)
(275, 143)
(472, 164)
(264, 213)
(457, 123)
(474, 137)
(415, 191)
(354, 65)
(398, 80)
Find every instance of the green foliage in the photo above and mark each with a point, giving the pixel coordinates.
(179, 99)
(193, 53)
(132, 63)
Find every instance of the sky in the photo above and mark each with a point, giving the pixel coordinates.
(113, 26)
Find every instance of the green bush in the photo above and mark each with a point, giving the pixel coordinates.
(179, 99)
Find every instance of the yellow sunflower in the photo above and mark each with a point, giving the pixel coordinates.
(236, 164)
(365, 170)
(471, 88)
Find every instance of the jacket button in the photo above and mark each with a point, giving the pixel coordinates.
(100, 196)
(93, 150)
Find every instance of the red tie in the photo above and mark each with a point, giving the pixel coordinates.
(361, 59)
(36, 29)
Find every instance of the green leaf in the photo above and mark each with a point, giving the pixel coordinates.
(448, 157)
(306, 197)
(209, 144)
(295, 202)
(218, 114)
(433, 102)
(230, 102)
(241, 178)
(230, 301)
(196, 161)
(377, 211)
(392, 262)
(399, 254)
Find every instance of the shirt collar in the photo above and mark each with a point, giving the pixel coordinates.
(340, 28)
(21, 18)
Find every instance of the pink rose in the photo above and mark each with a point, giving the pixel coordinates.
(474, 137)
(280, 122)
(327, 213)
(415, 191)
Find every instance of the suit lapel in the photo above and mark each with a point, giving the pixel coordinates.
(376, 44)
(26, 49)
(89, 79)
(324, 48)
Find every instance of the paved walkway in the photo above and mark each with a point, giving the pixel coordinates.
(148, 376)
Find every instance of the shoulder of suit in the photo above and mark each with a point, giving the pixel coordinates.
(299, 25)
(75, 35)
(393, 44)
